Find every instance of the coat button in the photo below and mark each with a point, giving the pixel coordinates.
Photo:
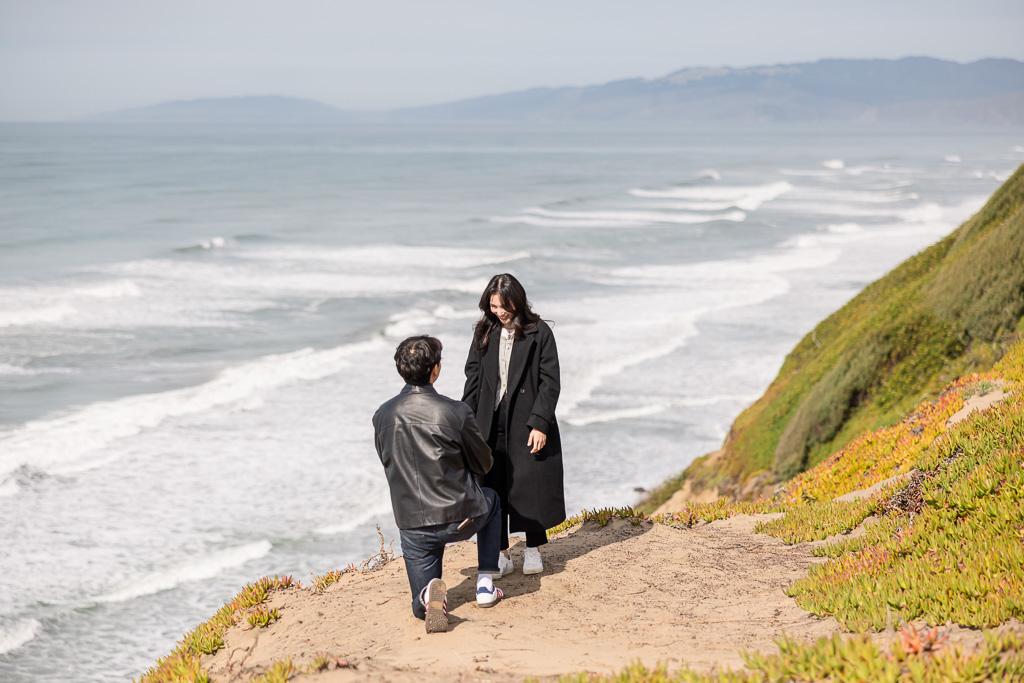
(522, 391)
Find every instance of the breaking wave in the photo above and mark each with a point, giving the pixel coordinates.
(195, 570)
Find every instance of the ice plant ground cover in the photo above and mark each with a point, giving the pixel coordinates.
(947, 546)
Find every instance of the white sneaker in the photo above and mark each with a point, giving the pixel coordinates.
(505, 565)
(531, 562)
(488, 598)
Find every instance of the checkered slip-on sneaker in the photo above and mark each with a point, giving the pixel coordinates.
(435, 599)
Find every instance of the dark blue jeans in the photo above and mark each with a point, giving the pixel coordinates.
(423, 547)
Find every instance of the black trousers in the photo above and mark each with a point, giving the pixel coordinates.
(499, 476)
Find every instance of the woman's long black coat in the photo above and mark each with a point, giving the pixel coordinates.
(536, 498)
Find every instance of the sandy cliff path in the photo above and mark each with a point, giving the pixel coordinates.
(609, 595)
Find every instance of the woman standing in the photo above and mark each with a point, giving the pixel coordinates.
(512, 384)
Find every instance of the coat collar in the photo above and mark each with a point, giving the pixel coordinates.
(419, 389)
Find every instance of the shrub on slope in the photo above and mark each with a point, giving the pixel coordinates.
(953, 308)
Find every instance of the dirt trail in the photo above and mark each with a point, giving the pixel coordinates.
(609, 595)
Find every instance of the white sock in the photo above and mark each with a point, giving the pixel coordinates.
(485, 581)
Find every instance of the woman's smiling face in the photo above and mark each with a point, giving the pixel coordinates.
(503, 314)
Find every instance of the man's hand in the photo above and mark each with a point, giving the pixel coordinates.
(537, 440)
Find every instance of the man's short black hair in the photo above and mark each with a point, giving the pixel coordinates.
(416, 357)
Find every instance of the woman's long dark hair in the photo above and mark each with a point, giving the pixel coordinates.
(513, 298)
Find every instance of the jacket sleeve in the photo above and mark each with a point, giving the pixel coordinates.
(543, 415)
(471, 392)
(376, 436)
(474, 447)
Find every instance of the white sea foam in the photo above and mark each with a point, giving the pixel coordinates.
(663, 334)
(894, 185)
(748, 198)
(839, 209)
(416, 320)
(565, 222)
(219, 293)
(17, 634)
(952, 158)
(845, 229)
(354, 522)
(668, 302)
(924, 219)
(648, 217)
(8, 487)
(884, 168)
(834, 164)
(808, 173)
(1017, 148)
(8, 369)
(715, 399)
(735, 275)
(35, 316)
(925, 213)
(251, 286)
(60, 440)
(690, 206)
(58, 305)
(335, 529)
(1001, 176)
(710, 173)
(855, 196)
(596, 417)
(389, 255)
(213, 243)
(829, 236)
(110, 290)
(539, 222)
(195, 570)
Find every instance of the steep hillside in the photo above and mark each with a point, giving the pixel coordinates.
(952, 309)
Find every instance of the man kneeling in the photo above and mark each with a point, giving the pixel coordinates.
(431, 447)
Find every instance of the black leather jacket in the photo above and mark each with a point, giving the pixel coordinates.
(431, 447)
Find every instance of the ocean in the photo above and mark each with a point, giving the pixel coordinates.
(197, 324)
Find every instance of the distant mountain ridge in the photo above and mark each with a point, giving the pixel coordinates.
(909, 90)
(905, 90)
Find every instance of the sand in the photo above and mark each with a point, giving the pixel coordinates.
(608, 596)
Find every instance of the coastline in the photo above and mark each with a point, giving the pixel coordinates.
(824, 572)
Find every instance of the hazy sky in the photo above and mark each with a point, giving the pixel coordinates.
(64, 59)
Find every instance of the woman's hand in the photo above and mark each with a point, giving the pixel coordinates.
(537, 440)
